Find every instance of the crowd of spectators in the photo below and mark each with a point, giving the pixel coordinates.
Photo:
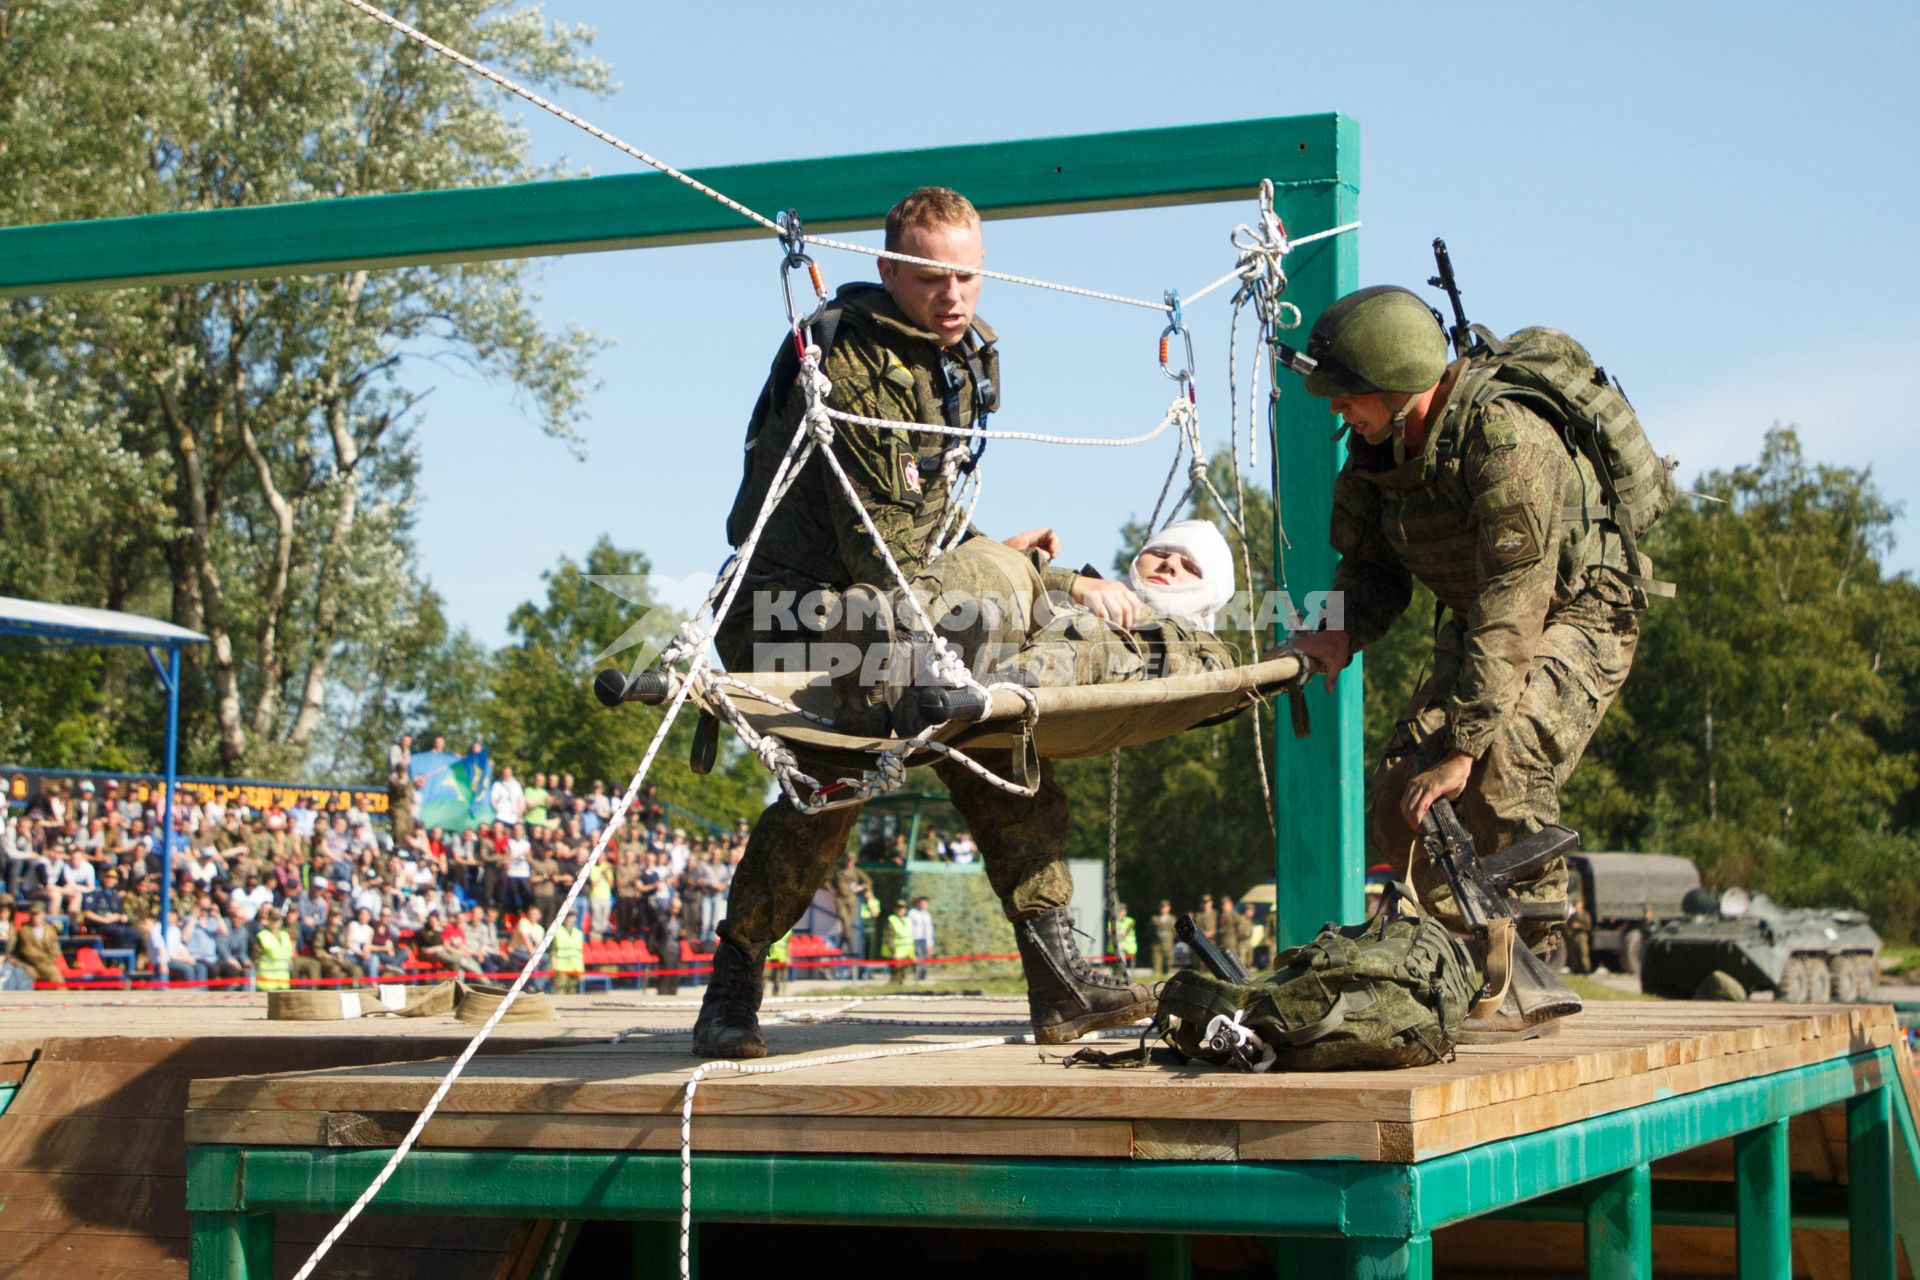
(351, 900)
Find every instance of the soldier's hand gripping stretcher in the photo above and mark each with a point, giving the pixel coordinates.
(1520, 993)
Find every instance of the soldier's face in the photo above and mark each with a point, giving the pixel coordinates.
(1168, 568)
(1369, 415)
(939, 301)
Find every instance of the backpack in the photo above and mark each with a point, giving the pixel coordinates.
(1553, 375)
(1388, 993)
(822, 328)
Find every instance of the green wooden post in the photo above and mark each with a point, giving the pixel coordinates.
(1763, 1219)
(231, 1246)
(1620, 1225)
(1870, 1185)
(1170, 1257)
(1322, 1257)
(1320, 854)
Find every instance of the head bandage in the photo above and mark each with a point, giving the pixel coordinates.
(1198, 601)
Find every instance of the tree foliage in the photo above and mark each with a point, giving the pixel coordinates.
(239, 456)
(542, 713)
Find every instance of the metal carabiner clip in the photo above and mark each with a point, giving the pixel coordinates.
(1176, 325)
(793, 241)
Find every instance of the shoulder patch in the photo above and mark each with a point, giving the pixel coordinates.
(1508, 539)
(894, 371)
(1496, 427)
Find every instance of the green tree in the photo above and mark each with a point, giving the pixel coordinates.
(543, 715)
(1770, 717)
(238, 456)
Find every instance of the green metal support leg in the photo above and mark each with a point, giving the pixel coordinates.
(1170, 1257)
(1620, 1225)
(1870, 1185)
(1763, 1215)
(231, 1246)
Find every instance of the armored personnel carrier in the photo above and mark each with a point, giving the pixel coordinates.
(1802, 956)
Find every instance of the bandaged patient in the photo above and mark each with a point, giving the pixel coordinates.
(989, 602)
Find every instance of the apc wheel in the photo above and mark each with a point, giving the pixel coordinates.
(1796, 982)
(1633, 951)
(1819, 981)
(1846, 979)
(1866, 977)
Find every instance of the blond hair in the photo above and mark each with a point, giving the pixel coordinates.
(927, 207)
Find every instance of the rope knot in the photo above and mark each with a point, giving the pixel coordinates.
(889, 772)
(775, 755)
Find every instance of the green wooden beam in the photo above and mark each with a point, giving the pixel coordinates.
(1466, 1184)
(1619, 1222)
(1189, 164)
(1870, 1185)
(1319, 781)
(1763, 1218)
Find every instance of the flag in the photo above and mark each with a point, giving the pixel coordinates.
(455, 791)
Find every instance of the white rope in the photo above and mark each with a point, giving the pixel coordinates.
(1036, 437)
(965, 270)
(797, 450)
(706, 1069)
(1240, 269)
(519, 90)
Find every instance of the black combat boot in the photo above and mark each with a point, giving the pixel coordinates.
(1066, 996)
(729, 1022)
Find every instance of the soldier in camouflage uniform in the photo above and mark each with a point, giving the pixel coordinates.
(909, 350)
(1477, 499)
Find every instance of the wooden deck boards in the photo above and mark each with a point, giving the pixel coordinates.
(1016, 1100)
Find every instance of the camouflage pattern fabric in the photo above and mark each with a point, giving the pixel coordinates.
(881, 366)
(1542, 629)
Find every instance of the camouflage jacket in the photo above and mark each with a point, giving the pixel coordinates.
(881, 366)
(1490, 515)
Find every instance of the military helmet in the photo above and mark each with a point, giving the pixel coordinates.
(1382, 338)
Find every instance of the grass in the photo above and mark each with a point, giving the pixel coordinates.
(1590, 988)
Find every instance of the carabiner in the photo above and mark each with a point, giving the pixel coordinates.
(794, 241)
(1183, 375)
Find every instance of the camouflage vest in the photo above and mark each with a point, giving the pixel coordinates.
(861, 331)
(1387, 993)
(1430, 517)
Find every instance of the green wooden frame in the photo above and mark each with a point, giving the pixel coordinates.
(1339, 1217)
(1312, 160)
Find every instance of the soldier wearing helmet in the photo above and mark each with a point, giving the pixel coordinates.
(1469, 494)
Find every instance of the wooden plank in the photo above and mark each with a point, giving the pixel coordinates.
(1317, 1140)
(93, 1203)
(1186, 1140)
(781, 1134)
(92, 1144)
(64, 1255)
(1468, 1129)
(1008, 1083)
(127, 1090)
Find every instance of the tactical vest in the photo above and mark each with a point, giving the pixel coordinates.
(1555, 376)
(1428, 515)
(957, 388)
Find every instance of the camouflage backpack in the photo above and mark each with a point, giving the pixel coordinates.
(1387, 993)
(1553, 375)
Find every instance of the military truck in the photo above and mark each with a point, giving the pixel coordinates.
(1801, 956)
(1617, 899)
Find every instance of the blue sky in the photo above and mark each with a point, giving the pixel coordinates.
(1714, 197)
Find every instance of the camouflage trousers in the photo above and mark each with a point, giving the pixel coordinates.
(983, 596)
(1577, 669)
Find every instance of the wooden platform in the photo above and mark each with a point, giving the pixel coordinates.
(1018, 1100)
(93, 1153)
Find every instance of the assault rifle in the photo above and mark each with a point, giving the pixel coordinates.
(1460, 332)
(1480, 892)
(1219, 963)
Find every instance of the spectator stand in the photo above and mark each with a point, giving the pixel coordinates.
(36, 624)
